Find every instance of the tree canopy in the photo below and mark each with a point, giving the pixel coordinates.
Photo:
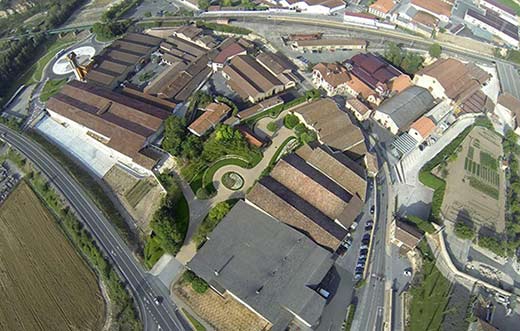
(435, 50)
(410, 62)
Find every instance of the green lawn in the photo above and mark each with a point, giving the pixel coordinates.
(430, 296)
(51, 87)
(52, 49)
(152, 252)
(196, 324)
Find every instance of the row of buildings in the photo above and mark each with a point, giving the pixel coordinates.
(114, 112)
(481, 17)
(274, 251)
(409, 108)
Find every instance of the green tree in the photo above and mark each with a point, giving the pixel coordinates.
(203, 4)
(464, 231)
(174, 134)
(218, 212)
(191, 147)
(226, 3)
(290, 121)
(435, 50)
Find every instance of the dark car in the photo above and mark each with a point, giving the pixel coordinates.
(366, 236)
(370, 222)
(368, 228)
(372, 209)
(363, 252)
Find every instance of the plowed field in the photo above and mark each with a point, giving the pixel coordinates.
(44, 283)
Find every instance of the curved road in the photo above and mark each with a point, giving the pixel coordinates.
(145, 287)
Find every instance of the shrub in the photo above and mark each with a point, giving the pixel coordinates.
(199, 285)
(272, 126)
(464, 231)
(290, 121)
(423, 225)
(494, 245)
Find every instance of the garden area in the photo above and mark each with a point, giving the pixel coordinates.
(215, 215)
(169, 223)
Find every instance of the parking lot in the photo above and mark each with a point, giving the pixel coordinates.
(154, 8)
(8, 179)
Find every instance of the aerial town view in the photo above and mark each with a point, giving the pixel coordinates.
(260, 165)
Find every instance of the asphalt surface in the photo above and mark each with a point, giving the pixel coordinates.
(145, 287)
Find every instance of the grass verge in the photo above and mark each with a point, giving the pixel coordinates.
(194, 322)
(51, 87)
(350, 317)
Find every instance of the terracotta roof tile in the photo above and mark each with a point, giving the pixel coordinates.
(424, 126)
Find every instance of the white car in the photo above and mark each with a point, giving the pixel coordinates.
(407, 273)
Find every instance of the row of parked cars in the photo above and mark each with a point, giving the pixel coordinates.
(363, 250)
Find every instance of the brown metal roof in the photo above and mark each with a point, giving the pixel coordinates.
(284, 205)
(251, 78)
(147, 98)
(458, 79)
(333, 126)
(337, 166)
(143, 39)
(276, 63)
(407, 234)
(125, 121)
(213, 114)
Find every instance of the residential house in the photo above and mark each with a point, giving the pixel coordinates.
(422, 128)
(359, 109)
(332, 77)
(323, 7)
(382, 8)
(399, 112)
(226, 54)
(404, 235)
(272, 269)
(508, 108)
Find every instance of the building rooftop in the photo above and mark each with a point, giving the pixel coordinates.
(276, 63)
(334, 74)
(509, 101)
(337, 166)
(384, 6)
(228, 52)
(267, 265)
(317, 189)
(476, 102)
(407, 234)
(248, 77)
(125, 123)
(438, 7)
(457, 79)
(261, 106)
(424, 126)
(493, 19)
(372, 69)
(285, 205)
(407, 106)
(359, 106)
(213, 114)
(425, 18)
(333, 126)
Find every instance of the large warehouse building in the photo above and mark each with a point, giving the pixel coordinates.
(120, 126)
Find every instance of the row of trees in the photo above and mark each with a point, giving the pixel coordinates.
(410, 62)
(512, 151)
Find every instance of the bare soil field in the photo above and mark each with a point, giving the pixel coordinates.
(140, 197)
(44, 283)
(475, 184)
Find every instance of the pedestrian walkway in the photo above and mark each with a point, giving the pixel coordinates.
(200, 208)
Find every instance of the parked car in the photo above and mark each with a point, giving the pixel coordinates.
(366, 236)
(407, 272)
(363, 257)
(370, 222)
(363, 247)
(360, 269)
(358, 276)
(354, 226)
(372, 209)
(368, 228)
(363, 252)
(360, 265)
(157, 300)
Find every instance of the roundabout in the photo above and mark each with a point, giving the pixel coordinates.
(62, 66)
(232, 180)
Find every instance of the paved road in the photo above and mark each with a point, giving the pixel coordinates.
(144, 286)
